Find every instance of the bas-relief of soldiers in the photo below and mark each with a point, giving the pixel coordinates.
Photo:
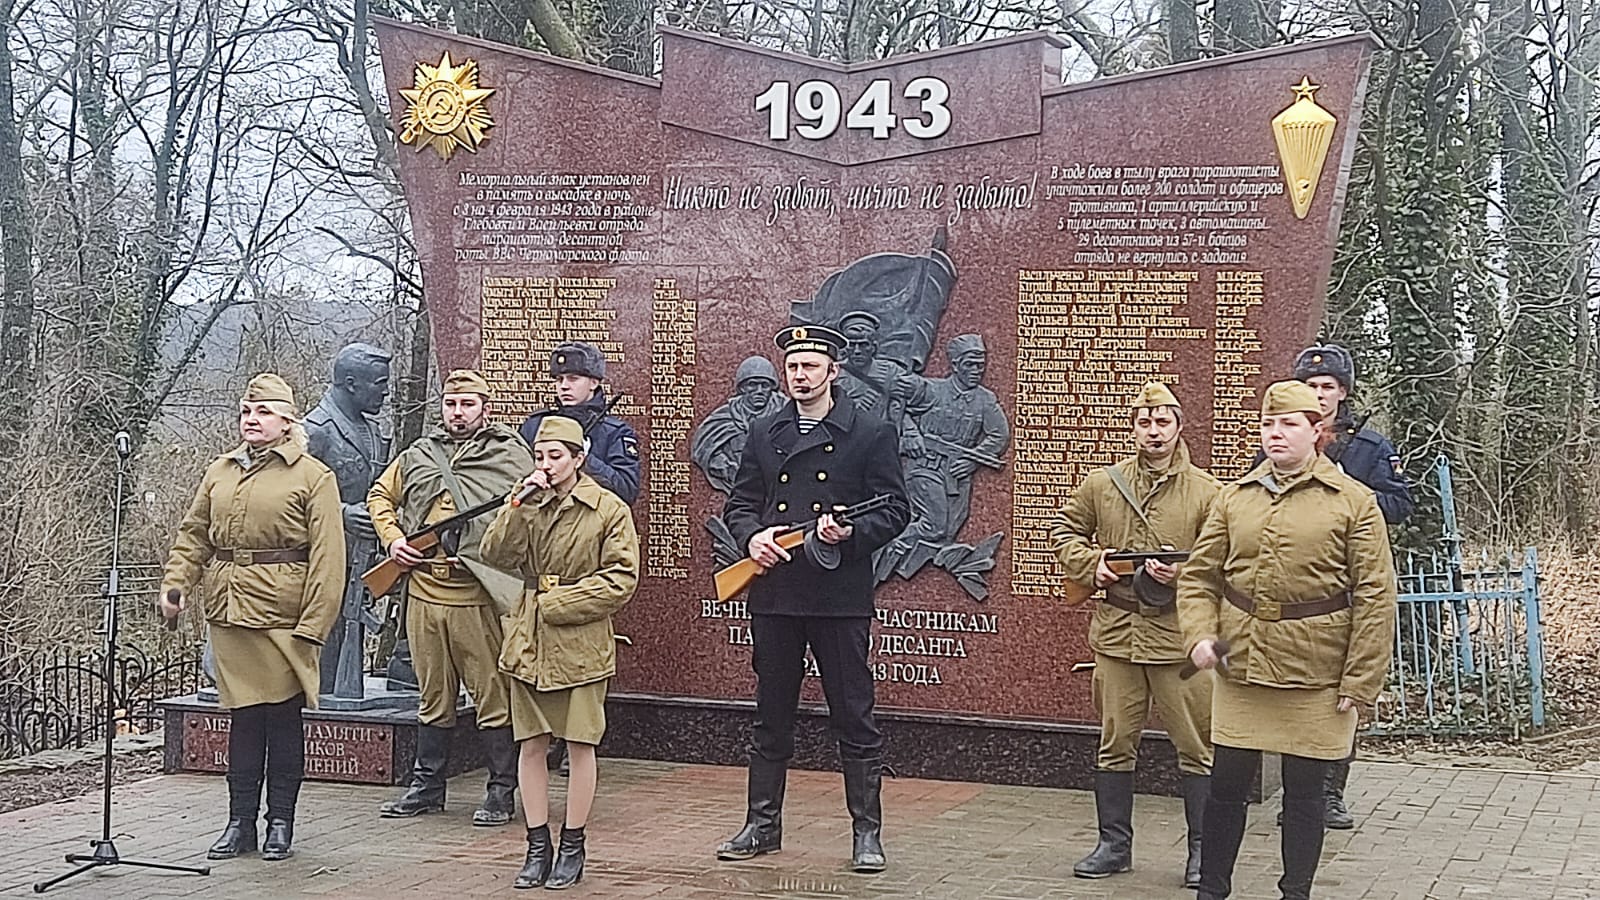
(887, 307)
(718, 441)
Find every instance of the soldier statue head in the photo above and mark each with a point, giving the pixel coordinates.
(860, 330)
(577, 369)
(361, 378)
(969, 359)
(756, 381)
(1331, 373)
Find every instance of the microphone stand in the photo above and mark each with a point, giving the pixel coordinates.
(105, 852)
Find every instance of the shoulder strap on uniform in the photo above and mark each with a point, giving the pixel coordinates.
(1127, 494)
(451, 483)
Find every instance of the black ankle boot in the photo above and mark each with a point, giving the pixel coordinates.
(568, 868)
(1113, 802)
(763, 823)
(499, 799)
(863, 784)
(536, 868)
(244, 805)
(237, 838)
(425, 794)
(279, 842)
(1196, 788)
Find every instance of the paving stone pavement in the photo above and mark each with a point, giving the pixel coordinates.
(1422, 834)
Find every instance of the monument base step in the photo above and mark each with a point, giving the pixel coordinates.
(363, 746)
(916, 745)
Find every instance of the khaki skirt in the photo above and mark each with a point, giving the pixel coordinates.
(576, 714)
(1293, 721)
(264, 665)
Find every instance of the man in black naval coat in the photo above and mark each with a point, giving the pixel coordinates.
(814, 455)
(1369, 458)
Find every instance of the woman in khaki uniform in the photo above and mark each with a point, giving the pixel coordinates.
(575, 546)
(266, 528)
(1293, 571)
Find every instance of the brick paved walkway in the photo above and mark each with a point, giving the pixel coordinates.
(1422, 833)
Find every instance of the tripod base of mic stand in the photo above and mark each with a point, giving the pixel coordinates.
(105, 854)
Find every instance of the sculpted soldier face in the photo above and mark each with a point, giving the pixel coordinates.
(259, 426)
(757, 393)
(969, 369)
(1155, 431)
(558, 462)
(464, 414)
(1330, 393)
(861, 346)
(1289, 440)
(368, 386)
(809, 374)
(573, 389)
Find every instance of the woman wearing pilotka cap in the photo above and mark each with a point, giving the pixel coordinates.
(1289, 594)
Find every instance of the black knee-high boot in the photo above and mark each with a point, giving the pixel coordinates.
(1224, 818)
(247, 754)
(286, 766)
(1303, 825)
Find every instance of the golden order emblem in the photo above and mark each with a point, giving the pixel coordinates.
(445, 108)
(799, 334)
(1304, 132)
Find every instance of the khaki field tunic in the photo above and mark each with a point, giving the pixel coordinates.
(267, 620)
(1314, 536)
(579, 557)
(1176, 502)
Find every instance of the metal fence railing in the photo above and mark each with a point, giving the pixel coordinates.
(1469, 650)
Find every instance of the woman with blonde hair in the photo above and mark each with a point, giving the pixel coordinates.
(1289, 594)
(265, 528)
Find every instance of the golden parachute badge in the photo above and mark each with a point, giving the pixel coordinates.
(445, 108)
(1304, 131)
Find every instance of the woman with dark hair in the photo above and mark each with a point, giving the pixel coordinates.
(1289, 594)
(574, 544)
(266, 529)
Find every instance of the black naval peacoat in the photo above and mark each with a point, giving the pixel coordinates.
(786, 477)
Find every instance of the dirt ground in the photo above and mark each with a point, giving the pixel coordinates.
(31, 788)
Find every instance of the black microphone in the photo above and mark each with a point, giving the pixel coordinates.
(525, 494)
(124, 444)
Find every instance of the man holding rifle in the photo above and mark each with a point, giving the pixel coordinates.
(812, 457)
(1156, 500)
(452, 616)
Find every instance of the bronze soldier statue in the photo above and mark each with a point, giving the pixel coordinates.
(343, 433)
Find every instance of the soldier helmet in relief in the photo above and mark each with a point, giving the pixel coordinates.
(578, 358)
(1328, 359)
(560, 428)
(466, 381)
(268, 387)
(756, 368)
(964, 345)
(1287, 397)
(1155, 395)
(810, 339)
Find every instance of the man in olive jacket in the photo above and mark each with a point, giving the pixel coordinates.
(813, 456)
(1154, 500)
(452, 617)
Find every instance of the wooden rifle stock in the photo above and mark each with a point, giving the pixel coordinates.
(1123, 563)
(735, 578)
(382, 578)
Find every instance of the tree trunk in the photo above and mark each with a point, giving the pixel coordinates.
(1183, 30)
(16, 256)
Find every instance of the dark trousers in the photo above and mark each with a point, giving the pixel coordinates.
(266, 741)
(1232, 774)
(839, 645)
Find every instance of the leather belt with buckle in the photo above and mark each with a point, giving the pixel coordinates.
(262, 557)
(441, 569)
(1273, 611)
(1135, 606)
(549, 582)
